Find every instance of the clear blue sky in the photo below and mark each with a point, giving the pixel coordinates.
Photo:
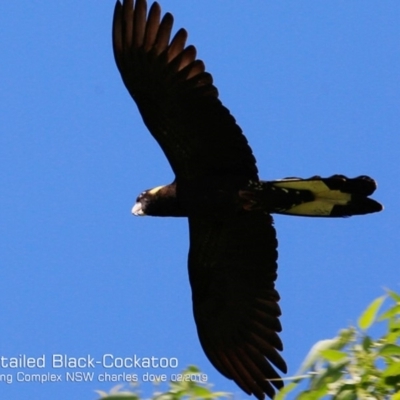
(314, 85)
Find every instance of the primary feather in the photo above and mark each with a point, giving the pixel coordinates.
(176, 96)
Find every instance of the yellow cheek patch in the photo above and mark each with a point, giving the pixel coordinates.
(155, 190)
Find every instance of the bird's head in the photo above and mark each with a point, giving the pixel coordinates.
(160, 201)
(146, 202)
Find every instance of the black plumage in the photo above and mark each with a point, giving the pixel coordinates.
(233, 246)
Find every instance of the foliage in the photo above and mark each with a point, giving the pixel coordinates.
(349, 367)
(354, 365)
(187, 389)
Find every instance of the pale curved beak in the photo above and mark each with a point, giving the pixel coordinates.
(137, 210)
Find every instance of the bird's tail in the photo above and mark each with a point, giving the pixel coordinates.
(336, 196)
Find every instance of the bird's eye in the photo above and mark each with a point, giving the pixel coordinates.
(141, 195)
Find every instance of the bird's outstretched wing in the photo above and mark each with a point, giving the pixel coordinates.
(232, 268)
(176, 97)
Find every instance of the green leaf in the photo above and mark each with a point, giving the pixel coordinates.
(393, 336)
(368, 316)
(392, 312)
(390, 350)
(394, 327)
(281, 395)
(395, 296)
(203, 393)
(392, 370)
(217, 395)
(396, 396)
(336, 372)
(350, 393)
(367, 343)
(314, 354)
(392, 381)
(313, 394)
(345, 337)
(333, 355)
